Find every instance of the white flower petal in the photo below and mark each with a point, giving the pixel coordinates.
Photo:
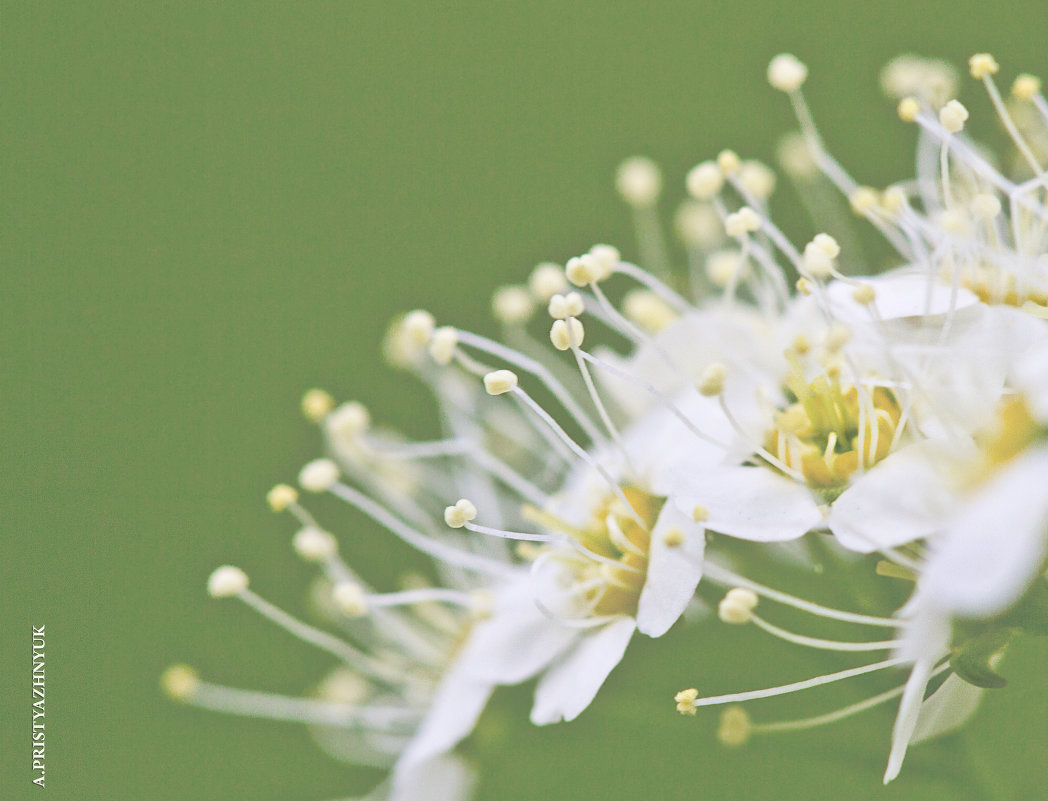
(443, 778)
(899, 294)
(517, 641)
(659, 442)
(925, 640)
(729, 335)
(905, 497)
(569, 686)
(992, 551)
(946, 709)
(673, 572)
(452, 714)
(909, 709)
(752, 503)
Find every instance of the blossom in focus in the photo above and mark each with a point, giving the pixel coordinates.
(634, 422)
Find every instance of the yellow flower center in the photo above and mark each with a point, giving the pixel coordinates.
(820, 435)
(613, 587)
(996, 287)
(1012, 431)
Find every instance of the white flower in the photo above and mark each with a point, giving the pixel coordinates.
(568, 502)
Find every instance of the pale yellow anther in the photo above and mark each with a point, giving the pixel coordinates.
(735, 727)
(817, 264)
(804, 286)
(648, 310)
(350, 599)
(700, 514)
(462, 512)
(639, 181)
(704, 180)
(418, 326)
(723, 267)
(546, 280)
(756, 178)
(711, 382)
(584, 269)
(742, 222)
(729, 162)
(314, 544)
(442, 345)
(1026, 87)
(180, 682)
(512, 305)
(349, 420)
(800, 344)
(698, 225)
(954, 222)
(607, 256)
(982, 64)
(986, 206)
(863, 200)
(316, 404)
(499, 382)
(931, 80)
(795, 156)
(561, 307)
(893, 200)
(908, 109)
(743, 597)
(685, 701)
(344, 686)
(787, 73)
(566, 333)
(827, 244)
(737, 606)
(864, 294)
(281, 497)
(837, 337)
(832, 365)
(674, 538)
(792, 420)
(953, 116)
(226, 581)
(318, 476)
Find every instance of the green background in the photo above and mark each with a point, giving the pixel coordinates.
(209, 207)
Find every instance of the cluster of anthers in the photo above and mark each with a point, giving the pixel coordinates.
(763, 393)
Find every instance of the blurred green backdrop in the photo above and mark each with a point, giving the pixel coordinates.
(211, 206)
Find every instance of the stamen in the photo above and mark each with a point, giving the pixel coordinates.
(427, 545)
(983, 68)
(639, 182)
(228, 582)
(561, 434)
(796, 686)
(617, 371)
(839, 714)
(655, 285)
(467, 447)
(621, 324)
(422, 596)
(757, 447)
(538, 370)
(524, 536)
(824, 645)
(574, 341)
(723, 575)
(248, 703)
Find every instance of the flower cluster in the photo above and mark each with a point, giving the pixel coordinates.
(768, 392)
